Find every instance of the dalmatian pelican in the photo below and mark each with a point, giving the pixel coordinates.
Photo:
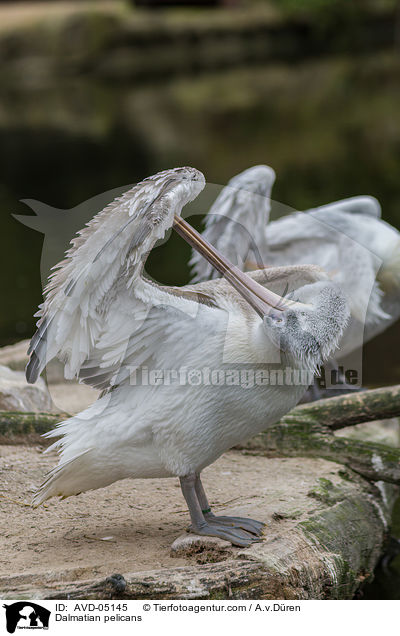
(347, 238)
(107, 321)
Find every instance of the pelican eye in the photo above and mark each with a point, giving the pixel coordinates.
(276, 317)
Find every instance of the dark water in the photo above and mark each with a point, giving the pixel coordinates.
(331, 129)
(386, 583)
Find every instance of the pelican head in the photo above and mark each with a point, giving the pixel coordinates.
(309, 330)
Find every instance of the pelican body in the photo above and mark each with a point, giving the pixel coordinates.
(111, 326)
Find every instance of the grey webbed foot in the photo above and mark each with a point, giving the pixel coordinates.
(236, 536)
(239, 531)
(250, 525)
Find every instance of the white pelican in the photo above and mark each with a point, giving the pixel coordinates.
(236, 221)
(106, 321)
(348, 239)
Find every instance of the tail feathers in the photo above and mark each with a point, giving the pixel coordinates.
(61, 428)
(64, 480)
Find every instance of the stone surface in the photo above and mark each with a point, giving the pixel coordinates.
(15, 356)
(60, 395)
(17, 395)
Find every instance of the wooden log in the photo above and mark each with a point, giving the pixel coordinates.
(349, 409)
(376, 462)
(307, 431)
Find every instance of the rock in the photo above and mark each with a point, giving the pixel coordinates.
(15, 356)
(17, 395)
(59, 395)
(54, 372)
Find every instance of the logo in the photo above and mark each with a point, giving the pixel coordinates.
(26, 615)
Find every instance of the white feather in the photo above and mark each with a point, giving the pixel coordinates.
(347, 238)
(113, 320)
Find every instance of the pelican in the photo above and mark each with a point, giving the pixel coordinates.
(110, 324)
(347, 238)
(236, 221)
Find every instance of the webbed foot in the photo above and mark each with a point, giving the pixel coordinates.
(235, 535)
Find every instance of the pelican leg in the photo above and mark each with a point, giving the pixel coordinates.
(201, 525)
(250, 525)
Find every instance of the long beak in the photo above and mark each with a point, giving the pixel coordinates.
(260, 298)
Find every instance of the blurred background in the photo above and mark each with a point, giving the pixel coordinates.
(95, 95)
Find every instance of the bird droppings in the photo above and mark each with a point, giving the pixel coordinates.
(377, 461)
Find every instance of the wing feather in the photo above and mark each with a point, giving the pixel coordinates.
(236, 222)
(97, 300)
(331, 238)
(364, 204)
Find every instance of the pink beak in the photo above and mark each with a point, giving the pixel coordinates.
(260, 298)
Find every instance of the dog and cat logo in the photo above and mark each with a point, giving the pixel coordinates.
(26, 615)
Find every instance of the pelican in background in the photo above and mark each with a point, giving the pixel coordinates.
(347, 238)
(236, 221)
(107, 321)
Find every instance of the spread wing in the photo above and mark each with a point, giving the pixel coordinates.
(333, 239)
(366, 205)
(328, 236)
(100, 314)
(315, 225)
(235, 223)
